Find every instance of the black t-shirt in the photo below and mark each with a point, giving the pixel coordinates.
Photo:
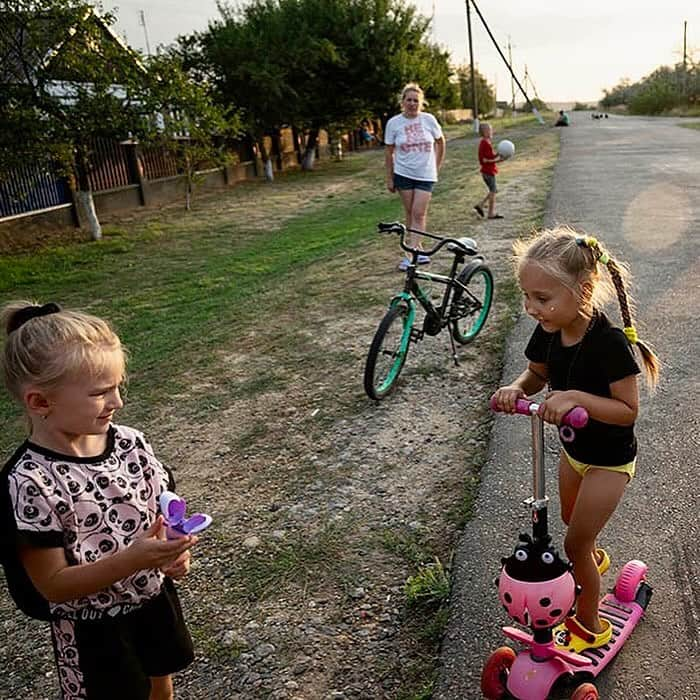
(603, 356)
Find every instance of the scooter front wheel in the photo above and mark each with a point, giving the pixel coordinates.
(587, 691)
(494, 675)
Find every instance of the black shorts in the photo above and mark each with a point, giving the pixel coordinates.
(490, 181)
(113, 658)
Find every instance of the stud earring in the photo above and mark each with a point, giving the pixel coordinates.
(551, 308)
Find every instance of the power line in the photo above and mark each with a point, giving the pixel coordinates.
(508, 63)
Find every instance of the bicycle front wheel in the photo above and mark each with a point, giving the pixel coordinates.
(470, 308)
(387, 353)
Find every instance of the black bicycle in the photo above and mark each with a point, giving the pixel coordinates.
(464, 308)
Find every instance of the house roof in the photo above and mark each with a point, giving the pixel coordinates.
(35, 44)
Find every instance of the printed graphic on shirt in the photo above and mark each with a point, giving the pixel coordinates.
(92, 508)
(417, 140)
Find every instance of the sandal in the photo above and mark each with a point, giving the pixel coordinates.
(602, 560)
(571, 635)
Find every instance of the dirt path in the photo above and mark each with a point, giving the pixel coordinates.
(325, 502)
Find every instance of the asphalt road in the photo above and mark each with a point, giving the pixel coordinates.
(635, 184)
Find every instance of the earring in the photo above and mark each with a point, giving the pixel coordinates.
(551, 308)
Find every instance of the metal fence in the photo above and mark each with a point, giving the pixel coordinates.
(158, 163)
(32, 187)
(109, 166)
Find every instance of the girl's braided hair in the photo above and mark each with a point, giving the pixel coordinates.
(575, 259)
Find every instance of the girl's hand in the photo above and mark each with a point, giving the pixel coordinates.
(152, 551)
(556, 405)
(506, 396)
(180, 567)
(390, 185)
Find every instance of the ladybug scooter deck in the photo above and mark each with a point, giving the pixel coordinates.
(624, 618)
(537, 668)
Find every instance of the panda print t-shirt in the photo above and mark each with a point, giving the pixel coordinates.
(92, 507)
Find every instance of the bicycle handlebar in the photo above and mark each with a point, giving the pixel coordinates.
(401, 229)
(577, 417)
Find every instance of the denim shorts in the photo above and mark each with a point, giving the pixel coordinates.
(408, 183)
(490, 181)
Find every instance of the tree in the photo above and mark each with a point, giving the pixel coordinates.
(535, 104)
(485, 95)
(661, 91)
(186, 122)
(67, 80)
(315, 64)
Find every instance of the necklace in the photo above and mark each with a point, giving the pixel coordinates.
(572, 363)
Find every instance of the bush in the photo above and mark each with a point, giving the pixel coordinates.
(655, 98)
(539, 105)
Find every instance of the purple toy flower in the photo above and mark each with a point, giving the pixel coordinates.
(174, 509)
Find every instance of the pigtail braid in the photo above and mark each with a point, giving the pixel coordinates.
(649, 359)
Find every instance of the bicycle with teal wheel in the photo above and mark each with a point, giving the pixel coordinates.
(464, 307)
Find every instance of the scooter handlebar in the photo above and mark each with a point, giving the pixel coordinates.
(577, 417)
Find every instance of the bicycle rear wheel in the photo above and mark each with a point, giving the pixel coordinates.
(470, 309)
(386, 357)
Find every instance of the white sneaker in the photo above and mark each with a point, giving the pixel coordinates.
(403, 265)
(423, 259)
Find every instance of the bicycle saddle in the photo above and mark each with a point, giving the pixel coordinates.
(466, 245)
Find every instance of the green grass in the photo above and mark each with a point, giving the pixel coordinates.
(429, 586)
(690, 125)
(180, 292)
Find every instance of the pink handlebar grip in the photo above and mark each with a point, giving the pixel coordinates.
(577, 417)
(522, 406)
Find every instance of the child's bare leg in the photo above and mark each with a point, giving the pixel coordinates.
(491, 197)
(569, 483)
(598, 495)
(161, 688)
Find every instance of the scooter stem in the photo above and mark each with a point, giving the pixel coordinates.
(538, 501)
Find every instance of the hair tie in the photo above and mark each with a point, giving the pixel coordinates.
(592, 243)
(631, 333)
(29, 312)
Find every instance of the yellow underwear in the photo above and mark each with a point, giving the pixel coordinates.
(581, 468)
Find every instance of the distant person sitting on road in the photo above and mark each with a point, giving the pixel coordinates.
(582, 360)
(563, 119)
(487, 160)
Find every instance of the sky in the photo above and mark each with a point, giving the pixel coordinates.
(572, 49)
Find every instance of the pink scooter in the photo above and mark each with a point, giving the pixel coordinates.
(537, 589)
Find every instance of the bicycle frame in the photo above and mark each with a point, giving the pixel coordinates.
(412, 290)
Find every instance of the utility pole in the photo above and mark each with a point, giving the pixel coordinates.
(508, 63)
(512, 83)
(142, 22)
(472, 72)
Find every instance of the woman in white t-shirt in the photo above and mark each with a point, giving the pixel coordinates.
(415, 151)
